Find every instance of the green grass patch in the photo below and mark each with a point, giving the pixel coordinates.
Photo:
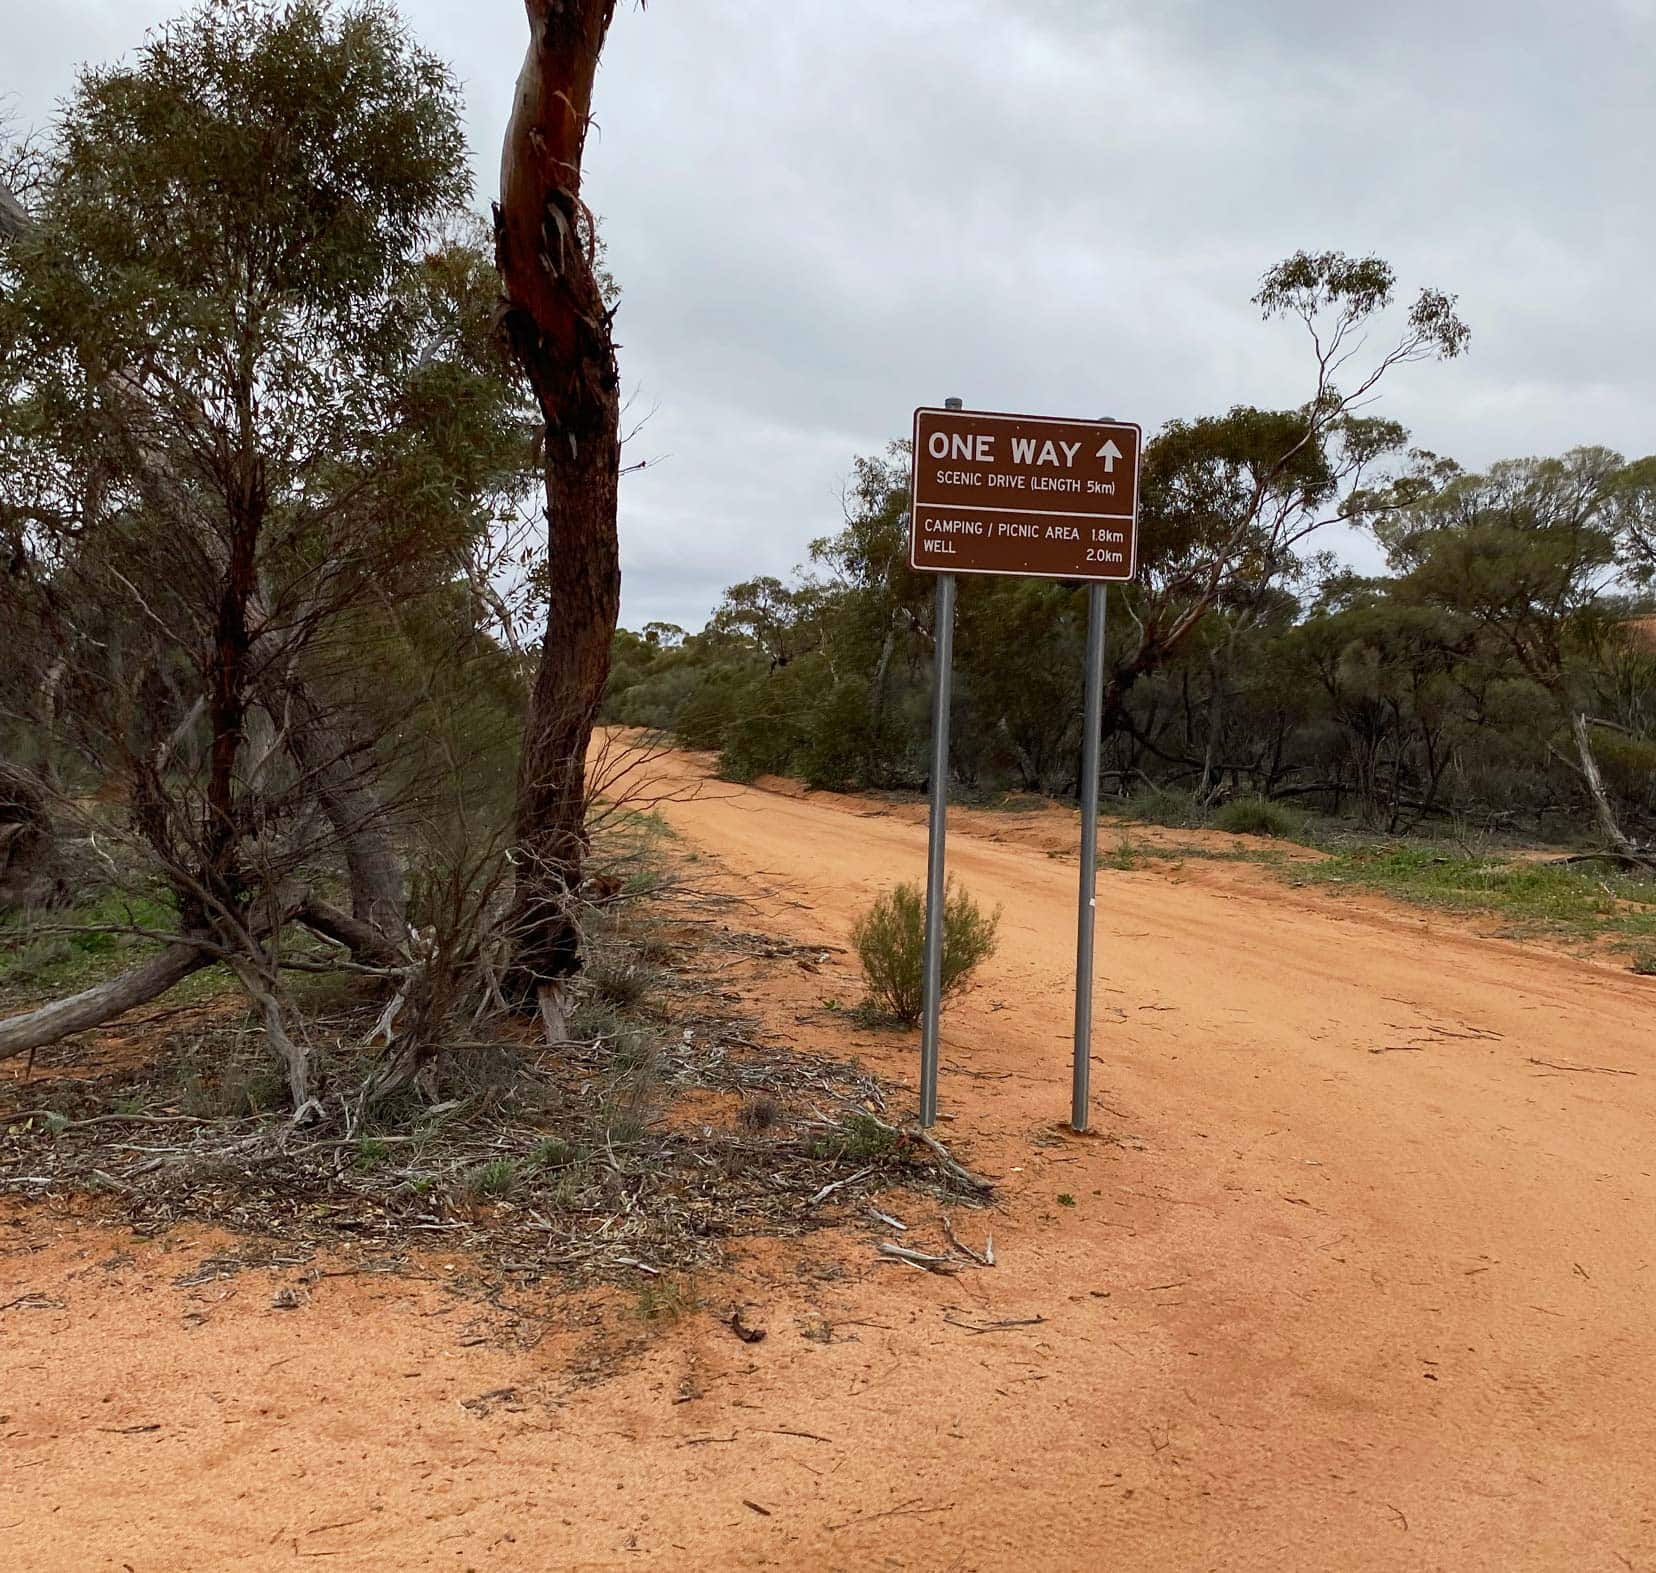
(55, 953)
(1575, 900)
(1163, 806)
(61, 951)
(498, 1177)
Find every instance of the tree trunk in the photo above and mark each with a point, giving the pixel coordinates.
(14, 218)
(1205, 787)
(31, 871)
(559, 328)
(1606, 815)
(338, 769)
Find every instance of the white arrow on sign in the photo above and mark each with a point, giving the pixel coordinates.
(1109, 453)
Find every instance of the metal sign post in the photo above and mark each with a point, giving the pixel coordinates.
(1033, 496)
(1092, 724)
(936, 879)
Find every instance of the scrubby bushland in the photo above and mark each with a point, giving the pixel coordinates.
(1502, 678)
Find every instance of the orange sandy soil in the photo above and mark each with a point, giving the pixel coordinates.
(1357, 1275)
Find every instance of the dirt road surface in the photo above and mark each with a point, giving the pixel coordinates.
(1356, 1273)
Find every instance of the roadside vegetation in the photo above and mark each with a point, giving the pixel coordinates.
(319, 911)
(566, 1159)
(1499, 680)
(1531, 896)
(309, 874)
(890, 941)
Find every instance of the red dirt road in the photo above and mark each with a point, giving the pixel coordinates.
(1356, 1274)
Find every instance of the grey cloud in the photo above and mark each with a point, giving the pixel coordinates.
(826, 212)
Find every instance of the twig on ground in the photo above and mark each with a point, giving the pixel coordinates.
(835, 1185)
(1597, 1070)
(985, 1260)
(996, 1327)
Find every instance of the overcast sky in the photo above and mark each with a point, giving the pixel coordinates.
(825, 212)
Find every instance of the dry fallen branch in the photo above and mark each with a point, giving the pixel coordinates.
(922, 1259)
(835, 1185)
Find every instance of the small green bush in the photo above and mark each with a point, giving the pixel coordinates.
(370, 1153)
(1256, 816)
(554, 1152)
(498, 1177)
(890, 939)
(1644, 963)
(858, 1138)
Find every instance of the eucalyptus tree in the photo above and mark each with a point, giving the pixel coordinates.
(1532, 553)
(1229, 502)
(252, 411)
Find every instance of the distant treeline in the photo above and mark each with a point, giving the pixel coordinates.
(1500, 675)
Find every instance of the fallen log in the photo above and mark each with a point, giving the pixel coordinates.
(103, 1002)
(47, 1024)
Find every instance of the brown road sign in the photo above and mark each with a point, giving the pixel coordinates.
(1024, 494)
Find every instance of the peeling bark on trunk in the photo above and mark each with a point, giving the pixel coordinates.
(559, 328)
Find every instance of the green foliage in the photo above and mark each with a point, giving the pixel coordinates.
(1317, 286)
(248, 373)
(1255, 816)
(1443, 690)
(858, 1139)
(554, 1152)
(370, 1152)
(497, 1178)
(890, 943)
(71, 948)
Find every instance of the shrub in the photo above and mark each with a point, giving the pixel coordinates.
(858, 1138)
(617, 980)
(833, 756)
(1165, 806)
(1256, 816)
(497, 1177)
(890, 938)
(553, 1152)
(759, 1114)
